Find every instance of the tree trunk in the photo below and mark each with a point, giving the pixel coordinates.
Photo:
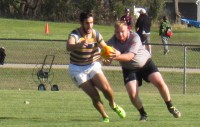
(177, 13)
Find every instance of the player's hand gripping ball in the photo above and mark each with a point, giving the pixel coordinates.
(106, 51)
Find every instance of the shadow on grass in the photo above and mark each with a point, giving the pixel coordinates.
(20, 118)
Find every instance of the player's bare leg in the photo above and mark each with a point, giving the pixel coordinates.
(92, 92)
(133, 92)
(105, 87)
(158, 81)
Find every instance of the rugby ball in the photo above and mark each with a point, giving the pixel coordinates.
(106, 51)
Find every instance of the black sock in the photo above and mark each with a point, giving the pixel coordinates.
(142, 112)
(169, 104)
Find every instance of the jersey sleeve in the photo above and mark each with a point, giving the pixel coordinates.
(75, 35)
(135, 43)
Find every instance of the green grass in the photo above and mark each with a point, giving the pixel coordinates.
(74, 109)
(70, 107)
(34, 51)
(13, 79)
(10, 28)
(34, 29)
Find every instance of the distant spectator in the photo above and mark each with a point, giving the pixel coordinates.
(128, 18)
(164, 27)
(2, 55)
(143, 28)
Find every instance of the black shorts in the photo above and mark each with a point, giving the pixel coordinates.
(142, 73)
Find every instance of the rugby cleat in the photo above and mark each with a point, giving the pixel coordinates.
(106, 120)
(143, 118)
(176, 113)
(120, 111)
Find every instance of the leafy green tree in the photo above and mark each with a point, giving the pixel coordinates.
(155, 8)
(106, 11)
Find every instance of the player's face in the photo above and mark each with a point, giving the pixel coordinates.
(121, 33)
(127, 12)
(88, 25)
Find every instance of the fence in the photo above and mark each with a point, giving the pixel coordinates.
(180, 67)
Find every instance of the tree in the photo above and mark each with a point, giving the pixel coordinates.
(106, 11)
(155, 7)
(177, 13)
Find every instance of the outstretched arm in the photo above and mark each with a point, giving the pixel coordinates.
(73, 45)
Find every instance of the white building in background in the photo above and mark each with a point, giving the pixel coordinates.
(198, 10)
(189, 9)
(136, 11)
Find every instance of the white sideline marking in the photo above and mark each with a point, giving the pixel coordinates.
(191, 70)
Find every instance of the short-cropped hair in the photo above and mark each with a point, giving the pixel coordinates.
(120, 23)
(85, 15)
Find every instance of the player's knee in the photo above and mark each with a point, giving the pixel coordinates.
(134, 96)
(106, 88)
(160, 84)
(96, 100)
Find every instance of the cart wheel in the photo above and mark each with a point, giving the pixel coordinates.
(54, 88)
(41, 87)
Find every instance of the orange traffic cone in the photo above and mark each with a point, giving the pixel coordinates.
(47, 28)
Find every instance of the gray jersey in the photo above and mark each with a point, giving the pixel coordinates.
(133, 45)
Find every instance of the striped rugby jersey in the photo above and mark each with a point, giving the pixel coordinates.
(89, 54)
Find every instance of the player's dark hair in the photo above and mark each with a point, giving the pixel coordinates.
(164, 18)
(85, 15)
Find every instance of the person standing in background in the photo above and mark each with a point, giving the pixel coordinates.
(2, 55)
(128, 18)
(164, 26)
(143, 28)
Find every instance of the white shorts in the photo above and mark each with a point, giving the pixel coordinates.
(81, 74)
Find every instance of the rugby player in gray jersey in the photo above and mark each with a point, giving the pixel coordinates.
(137, 65)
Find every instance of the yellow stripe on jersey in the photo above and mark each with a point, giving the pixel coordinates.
(86, 55)
(91, 40)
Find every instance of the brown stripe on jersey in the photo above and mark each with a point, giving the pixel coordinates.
(79, 62)
(87, 55)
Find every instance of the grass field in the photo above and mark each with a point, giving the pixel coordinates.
(34, 51)
(70, 107)
(36, 30)
(74, 109)
(15, 78)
